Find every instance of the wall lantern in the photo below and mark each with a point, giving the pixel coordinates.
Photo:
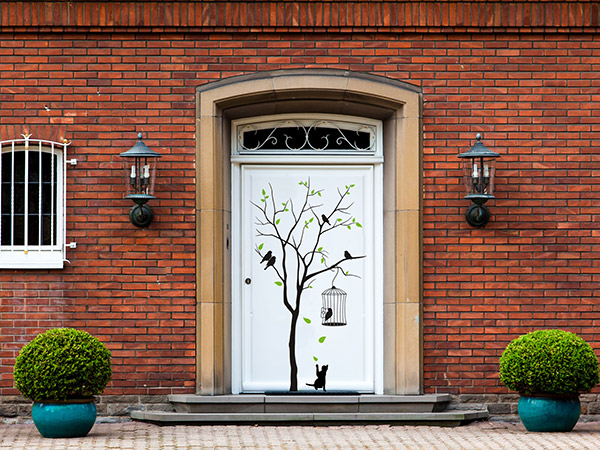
(140, 167)
(478, 166)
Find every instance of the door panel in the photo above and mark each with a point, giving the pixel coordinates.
(313, 232)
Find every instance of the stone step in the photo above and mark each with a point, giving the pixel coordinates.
(310, 403)
(445, 418)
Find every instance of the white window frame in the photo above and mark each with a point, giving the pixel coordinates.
(371, 156)
(40, 256)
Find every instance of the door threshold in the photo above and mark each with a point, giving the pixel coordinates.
(322, 393)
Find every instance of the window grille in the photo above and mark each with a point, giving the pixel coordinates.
(32, 203)
(298, 134)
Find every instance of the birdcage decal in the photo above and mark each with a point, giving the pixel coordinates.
(333, 311)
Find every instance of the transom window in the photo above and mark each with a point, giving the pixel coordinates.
(32, 196)
(302, 134)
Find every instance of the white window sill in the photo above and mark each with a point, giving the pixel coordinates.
(31, 260)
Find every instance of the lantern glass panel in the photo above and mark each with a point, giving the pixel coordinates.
(140, 175)
(479, 175)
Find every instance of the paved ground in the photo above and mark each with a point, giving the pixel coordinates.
(140, 436)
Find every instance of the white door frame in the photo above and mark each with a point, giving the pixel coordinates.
(238, 160)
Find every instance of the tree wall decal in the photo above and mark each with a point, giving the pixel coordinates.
(296, 236)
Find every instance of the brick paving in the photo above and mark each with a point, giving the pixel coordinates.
(141, 436)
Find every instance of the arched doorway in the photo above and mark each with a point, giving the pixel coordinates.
(398, 106)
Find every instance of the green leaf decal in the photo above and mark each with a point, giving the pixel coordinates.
(278, 283)
(277, 221)
(307, 320)
(315, 358)
(260, 247)
(320, 249)
(263, 192)
(322, 339)
(358, 225)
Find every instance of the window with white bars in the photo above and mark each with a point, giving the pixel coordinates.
(32, 203)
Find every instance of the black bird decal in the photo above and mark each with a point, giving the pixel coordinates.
(270, 262)
(325, 219)
(328, 314)
(267, 256)
(347, 255)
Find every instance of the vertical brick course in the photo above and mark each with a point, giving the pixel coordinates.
(533, 96)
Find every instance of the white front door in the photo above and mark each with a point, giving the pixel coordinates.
(307, 278)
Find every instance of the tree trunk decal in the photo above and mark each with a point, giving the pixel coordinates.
(294, 250)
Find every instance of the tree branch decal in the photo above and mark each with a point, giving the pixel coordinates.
(294, 247)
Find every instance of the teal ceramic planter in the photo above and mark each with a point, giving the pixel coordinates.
(64, 420)
(549, 414)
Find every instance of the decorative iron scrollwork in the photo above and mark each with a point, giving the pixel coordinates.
(305, 136)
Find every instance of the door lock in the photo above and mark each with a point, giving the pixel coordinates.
(248, 281)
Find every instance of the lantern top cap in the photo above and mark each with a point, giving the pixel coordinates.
(479, 151)
(140, 150)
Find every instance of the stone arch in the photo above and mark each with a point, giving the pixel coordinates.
(398, 105)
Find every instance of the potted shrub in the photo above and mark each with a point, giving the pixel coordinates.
(549, 369)
(61, 370)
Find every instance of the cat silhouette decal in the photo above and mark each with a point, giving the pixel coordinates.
(320, 381)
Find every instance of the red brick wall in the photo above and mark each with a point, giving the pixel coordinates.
(536, 265)
(534, 96)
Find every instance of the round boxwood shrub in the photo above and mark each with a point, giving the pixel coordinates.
(547, 362)
(62, 364)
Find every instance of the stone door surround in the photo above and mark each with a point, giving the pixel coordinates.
(398, 105)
